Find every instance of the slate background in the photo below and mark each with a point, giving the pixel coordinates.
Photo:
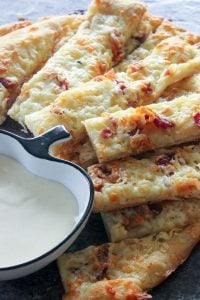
(184, 284)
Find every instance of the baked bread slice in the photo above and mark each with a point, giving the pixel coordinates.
(171, 61)
(165, 30)
(7, 28)
(96, 47)
(170, 174)
(185, 87)
(142, 220)
(127, 269)
(137, 130)
(148, 24)
(79, 153)
(25, 50)
(83, 154)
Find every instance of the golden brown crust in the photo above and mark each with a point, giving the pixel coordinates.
(93, 50)
(171, 174)
(125, 269)
(185, 87)
(134, 131)
(137, 222)
(164, 31)
(5, 29)
(143, 83)
(79, 153)
(25, 50)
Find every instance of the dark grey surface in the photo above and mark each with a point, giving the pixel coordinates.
(184, 284)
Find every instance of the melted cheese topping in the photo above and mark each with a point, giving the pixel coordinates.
(147, 219)
(172, 174)
(144, 82)
(96, 47)
(164, 31)
(24, 51)
(83, 154)
(125, 270)
(79, 153)
(133, 131)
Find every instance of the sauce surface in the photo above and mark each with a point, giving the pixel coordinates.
(36, 214)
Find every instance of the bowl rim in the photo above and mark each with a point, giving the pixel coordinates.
(79, 223)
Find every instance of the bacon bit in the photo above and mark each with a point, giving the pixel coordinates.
(116, 47)
(132, 132)
(7, 83)
(163, 123)
(168, 73)
(121, 84)
(112, 123)
(64, 84)
(106, 133)
(110, 290)
(138, 219)
(101, 254)
(135, 68)
(132, 103)
(147, 117)
(197, 119)
(140, 39)
(147, 89)
(156, 208)
(163, 160)
(102, 274)
(98, 186)
(105, 170)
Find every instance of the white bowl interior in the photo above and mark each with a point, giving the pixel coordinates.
(66, 174)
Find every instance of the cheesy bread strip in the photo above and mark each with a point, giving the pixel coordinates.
(150, 218)
(147, 25)
(83, 154)
(79, 153)
(137, 130)
(96, 47)
(127, 269)
(5, 29)
(171, 61)
(171, 174)
(164, 31)
(24, 51)
(185, 87)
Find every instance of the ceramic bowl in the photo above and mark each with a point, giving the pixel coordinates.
(33, 154)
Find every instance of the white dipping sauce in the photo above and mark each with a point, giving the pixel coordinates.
(35, 214)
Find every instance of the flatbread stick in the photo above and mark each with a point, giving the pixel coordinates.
(79, 153)
(170, 61)
(94, 49)
(25, 50)
(164, 31)
(137, 130)
(127, 269)
(5, 29)
(170, 174)
(142, 220)
(84, 155)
